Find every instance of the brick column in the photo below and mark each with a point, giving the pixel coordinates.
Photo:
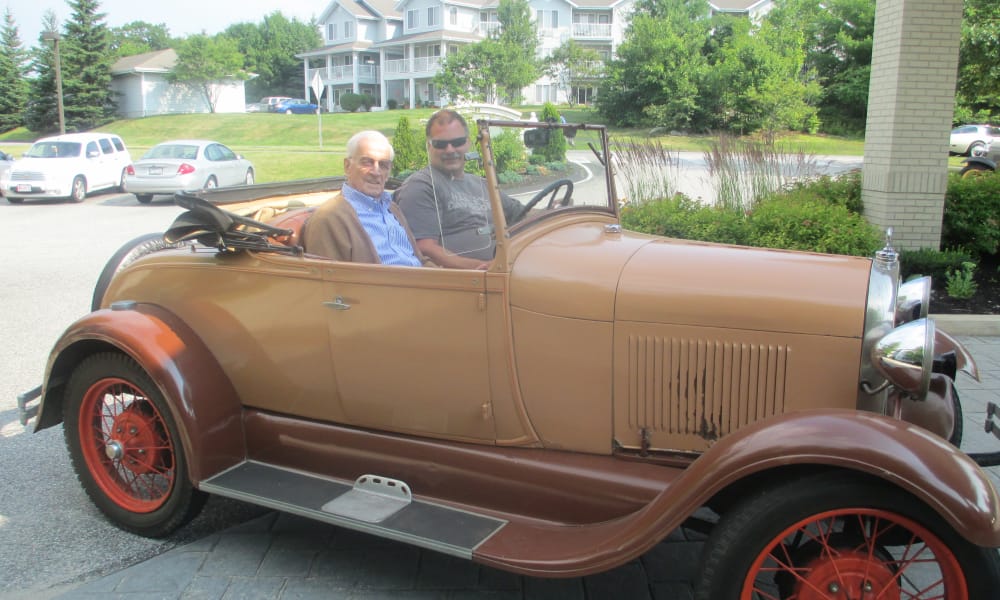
(910, 106)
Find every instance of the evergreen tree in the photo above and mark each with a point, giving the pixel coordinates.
(13, 85)
(41, 113)
(408, 145)
(86, 68)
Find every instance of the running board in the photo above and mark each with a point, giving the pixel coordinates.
(376, 505)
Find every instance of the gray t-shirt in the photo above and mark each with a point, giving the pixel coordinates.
(455, 212)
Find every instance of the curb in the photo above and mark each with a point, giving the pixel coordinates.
(988, 325)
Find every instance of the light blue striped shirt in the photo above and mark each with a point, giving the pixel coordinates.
(387, 234)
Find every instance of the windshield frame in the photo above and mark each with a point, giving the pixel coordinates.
(505, 231)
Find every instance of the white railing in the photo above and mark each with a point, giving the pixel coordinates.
(488, 27)
(345, 74)
(424, 64)
(591, 30)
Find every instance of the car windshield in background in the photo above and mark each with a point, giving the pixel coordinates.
(53, 150)
(176, 151)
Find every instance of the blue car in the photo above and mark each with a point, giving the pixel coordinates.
(296, 105)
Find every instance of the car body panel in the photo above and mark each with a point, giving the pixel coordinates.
(297, 106)
(965, 137)
(159, 170)
(94, 156)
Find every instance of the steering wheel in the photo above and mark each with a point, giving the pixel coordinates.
(552, 191)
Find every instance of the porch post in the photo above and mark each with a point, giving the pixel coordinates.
(910, 107)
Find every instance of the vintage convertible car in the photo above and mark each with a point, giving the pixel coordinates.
(555, 415)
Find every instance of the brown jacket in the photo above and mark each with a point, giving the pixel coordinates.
(334, 231)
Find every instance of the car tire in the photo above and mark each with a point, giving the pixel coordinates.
(144, 198)
(123, 182)
(126, 448)
(124, 256)
(15, 200)
(836, 532)
(977, 149)
(248, 180)
(78, 190)
(212, 183)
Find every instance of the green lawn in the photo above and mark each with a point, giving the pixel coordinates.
(285, 147)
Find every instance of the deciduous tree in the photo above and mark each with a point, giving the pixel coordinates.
(571, 65)
(269, 49)
(139, 37)
(979, 63)
(206, 62)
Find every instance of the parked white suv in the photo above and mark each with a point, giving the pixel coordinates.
(69, 166)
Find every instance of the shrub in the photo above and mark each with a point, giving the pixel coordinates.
(684, 218)
(555, 149)
(509, 151)
(815, 225)
(932, 263)
(843, 190)
(392, 104)
(972, 214)
(351, 102)
(408, 145)
(961, 283)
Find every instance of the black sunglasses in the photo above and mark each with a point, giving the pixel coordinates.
(455, 143)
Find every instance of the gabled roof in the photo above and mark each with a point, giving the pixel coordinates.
(158, 61)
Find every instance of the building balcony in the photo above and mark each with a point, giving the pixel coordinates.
(591, 31)
(343, 74)
(424, 66)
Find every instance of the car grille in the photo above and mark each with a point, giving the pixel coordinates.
(706, 388)
(27, 176)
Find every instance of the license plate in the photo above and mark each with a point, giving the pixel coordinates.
(156, 170)
(24, 187)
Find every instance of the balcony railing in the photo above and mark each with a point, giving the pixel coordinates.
(412, 66)
(592, 30)
(338, 74)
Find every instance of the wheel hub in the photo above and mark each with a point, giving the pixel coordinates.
(136, 441)
(850, 575)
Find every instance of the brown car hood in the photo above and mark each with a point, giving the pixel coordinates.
(583, 272)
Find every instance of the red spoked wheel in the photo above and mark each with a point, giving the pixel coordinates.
(859, 553)
(840, 535)
(125, 447)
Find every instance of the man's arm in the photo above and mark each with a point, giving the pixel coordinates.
(441, 257)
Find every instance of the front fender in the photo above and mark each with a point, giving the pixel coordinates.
(980, 160)
(903, 454)
(201, 398)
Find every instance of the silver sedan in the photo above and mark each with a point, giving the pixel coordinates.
(187, 165)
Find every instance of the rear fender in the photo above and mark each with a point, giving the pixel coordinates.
(903, 454)
(201, 398)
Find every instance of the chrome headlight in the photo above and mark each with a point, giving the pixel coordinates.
(905, 356)
(912, 300)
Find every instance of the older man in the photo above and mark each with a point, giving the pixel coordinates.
(448, 208)
(361, 223)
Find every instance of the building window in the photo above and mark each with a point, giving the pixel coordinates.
(453, 16)
(412, 19)
(555, 20)
(348, 30)
(432, 16)
(540, 18)
(331, 31)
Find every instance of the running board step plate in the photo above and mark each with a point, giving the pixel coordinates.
(373, 505)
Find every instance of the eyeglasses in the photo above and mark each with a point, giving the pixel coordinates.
(455, 143)
(369, 163)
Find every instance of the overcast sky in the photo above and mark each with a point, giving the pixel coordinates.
(182, 17)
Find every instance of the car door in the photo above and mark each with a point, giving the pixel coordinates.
(224, 165)
(409, 349)
(107, 165)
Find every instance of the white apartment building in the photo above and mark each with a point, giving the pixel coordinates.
(391, 49)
